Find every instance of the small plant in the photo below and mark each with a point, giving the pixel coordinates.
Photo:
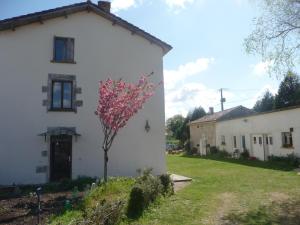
(145, 191)
(105, 213)
(167, 184)
(290, 159)
(214, 150)
(245, 154)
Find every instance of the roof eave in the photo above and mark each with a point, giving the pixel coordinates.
(13, 23)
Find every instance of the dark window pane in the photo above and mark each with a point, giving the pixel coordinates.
(56, 95)
(70, 50)
(60, 49)
(64, 49)
(271, 140)
(260, 140)
(67, 100)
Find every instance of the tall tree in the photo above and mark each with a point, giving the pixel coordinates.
(118, 102)
(276, 36)
(266, 103)
(195, 114)
(174, 125)
(288, 92)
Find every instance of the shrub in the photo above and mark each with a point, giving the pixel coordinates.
(213, 150)
(290, 159)
(245, 154)
(167, 184)
(105, 213)
(145, 191)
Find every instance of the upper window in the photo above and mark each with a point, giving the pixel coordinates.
(287, 139)
(62, 99)
(254, 140)
(63, 50)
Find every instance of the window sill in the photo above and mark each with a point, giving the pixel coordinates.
(288, 147)
(67, 62)
(61, 110)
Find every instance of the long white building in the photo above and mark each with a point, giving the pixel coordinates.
(263, 134)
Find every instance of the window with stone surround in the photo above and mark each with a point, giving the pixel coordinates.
(62, 93)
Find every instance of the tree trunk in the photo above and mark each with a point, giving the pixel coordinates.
(105, 164)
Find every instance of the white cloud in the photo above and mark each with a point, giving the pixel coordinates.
(189, 96)
(182, 96)
(118, 5)
(261, 69)
(172, 77)
(178, 3)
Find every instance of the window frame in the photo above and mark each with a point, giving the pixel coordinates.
(62, 108)
(223, 142)
(287, 140)
(54, 59)
(234, 142)
(270, 140)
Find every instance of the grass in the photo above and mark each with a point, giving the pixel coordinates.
(115, 189)
(228, 191)
(223, 191)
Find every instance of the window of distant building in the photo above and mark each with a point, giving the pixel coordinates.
(287, 139)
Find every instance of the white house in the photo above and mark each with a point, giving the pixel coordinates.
(203, 130)
(51, 62)
(263, 134)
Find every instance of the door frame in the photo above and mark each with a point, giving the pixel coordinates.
(51, 155)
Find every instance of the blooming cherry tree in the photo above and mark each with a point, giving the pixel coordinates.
(118, 102)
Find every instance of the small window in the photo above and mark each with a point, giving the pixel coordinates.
(260, 140)
(234, 141)
(267, 140)
(271, 140)
(63, 50)
(287, 139)
(223, 140)
(254, 140)
(62, 92)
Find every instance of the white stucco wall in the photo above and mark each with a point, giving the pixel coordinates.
(101, 51)
(202, 134)
(272, 124)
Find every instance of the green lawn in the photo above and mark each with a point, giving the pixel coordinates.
(229, 192)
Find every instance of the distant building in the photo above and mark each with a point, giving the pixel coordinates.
(262, 134)
(203, 131)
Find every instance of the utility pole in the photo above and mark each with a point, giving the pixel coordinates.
(222, 99)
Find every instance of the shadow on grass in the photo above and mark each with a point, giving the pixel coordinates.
(273, 165)
(287, 213)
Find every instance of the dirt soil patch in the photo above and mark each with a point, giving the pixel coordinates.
(23, 210)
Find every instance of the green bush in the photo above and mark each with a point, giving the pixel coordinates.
(105, 213)
(214, 150)
(245, 154)
(167, 184)
(145, 191)
(290, 159)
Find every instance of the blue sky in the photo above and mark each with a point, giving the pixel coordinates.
(207, 38)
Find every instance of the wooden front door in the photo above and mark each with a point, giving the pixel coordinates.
(60, 157)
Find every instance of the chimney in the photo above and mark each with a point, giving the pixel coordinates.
(104, 5)
(211, 110)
